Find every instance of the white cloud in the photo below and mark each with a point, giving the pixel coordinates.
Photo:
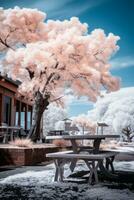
(64, 8)
(50, 5)
(72, 100)
(122, 62)
(81, 100)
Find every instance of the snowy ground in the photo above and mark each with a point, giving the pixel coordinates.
(38, 184)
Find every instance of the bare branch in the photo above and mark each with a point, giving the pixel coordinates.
(75, 57)
(31, 74)
(5, 44)
(56, 66)
(4, 41)
(57, 99)
(48, 81)
(97, 53)
(51, 76)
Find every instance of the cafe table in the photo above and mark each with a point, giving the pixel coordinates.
(5, 130)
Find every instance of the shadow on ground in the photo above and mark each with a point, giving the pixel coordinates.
(71, 189)
(122, 180)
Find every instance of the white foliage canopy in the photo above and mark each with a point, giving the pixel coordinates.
(116, 109)
(53, 115)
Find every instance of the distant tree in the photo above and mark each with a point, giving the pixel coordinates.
(53, 115)
(48, 56)
(117, 110)
(84, 123)
(128, 132)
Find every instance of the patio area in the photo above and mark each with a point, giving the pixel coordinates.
(36, 182)
(66, 100)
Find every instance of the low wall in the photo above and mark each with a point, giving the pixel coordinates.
(20, 156)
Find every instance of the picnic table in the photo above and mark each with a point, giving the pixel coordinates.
(74, 138)
(57, 132)
(10, 131)
(93, 152)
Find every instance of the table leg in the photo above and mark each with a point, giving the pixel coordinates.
(59, 164)
(96, 145)
(75, 150)
(5, 139)
(11, 136)
(105, 171)
(57, 171)
(93, 167)
(74, 146)
(109, 163)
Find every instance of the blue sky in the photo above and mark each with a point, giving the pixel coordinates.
(115, 16)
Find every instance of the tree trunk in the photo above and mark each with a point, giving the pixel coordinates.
(39, 107)
(129, 138)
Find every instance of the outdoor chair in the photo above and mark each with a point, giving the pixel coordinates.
(4, 134)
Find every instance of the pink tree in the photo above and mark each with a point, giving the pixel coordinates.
(85, 123)
(49, 56)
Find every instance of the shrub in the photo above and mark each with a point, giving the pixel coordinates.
(61, 143)
(22, 142)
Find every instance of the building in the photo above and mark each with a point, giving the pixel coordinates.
(69, 127)
(13, 110)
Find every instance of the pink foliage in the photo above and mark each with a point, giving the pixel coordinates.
(49, 56)
(20, 26)
(85, 123)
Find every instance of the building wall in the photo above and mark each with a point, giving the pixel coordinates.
(9, 109)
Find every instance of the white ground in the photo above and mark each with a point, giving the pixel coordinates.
(39, 185)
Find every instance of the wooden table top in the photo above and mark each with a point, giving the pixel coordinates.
(81, 137)
(11, 127)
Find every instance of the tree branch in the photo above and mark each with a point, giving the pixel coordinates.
(57, 98)
(97, 53)
(5, 44)
(31, 74)
(75, 57)
(50, 77)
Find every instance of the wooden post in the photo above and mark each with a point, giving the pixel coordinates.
(26, 109)
(0, 108)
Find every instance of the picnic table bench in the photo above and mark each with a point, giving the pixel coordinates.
(91, 155)
(92, 161)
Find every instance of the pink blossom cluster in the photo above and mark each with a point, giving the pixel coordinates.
(48, 56)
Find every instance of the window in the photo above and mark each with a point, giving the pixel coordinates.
(29, 117)
(7, 110)
(0, 108)
(17, 114)
(23, 115)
